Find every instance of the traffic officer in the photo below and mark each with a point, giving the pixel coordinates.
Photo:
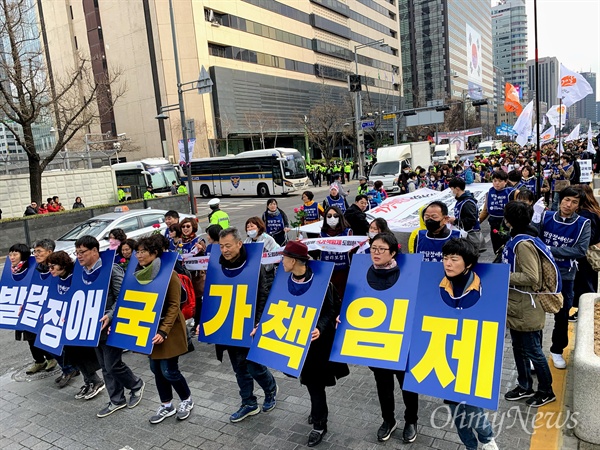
(363, 188)
(182, 189)
(218, 217)
(149, 194)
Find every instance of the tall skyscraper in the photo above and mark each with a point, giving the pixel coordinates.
(509, 42)
(586, 108)
(270, 61)
(549, 72)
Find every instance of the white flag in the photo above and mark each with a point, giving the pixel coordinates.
(561, 149)
(590, 146)
(548, 135)
(556, 112)
(572, 87)
(573, 135)
(523, 124)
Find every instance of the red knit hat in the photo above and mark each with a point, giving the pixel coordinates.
(296, 250)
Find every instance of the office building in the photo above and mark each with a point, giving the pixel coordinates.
(549, 72)
(271, 62)
(586, 107)
(446, 49)
(509, 42)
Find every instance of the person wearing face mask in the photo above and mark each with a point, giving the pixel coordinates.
(495, 201)
(336, 225)
(429, 242)
(115, 238)
(256, 231)
(433, 183)
(466, 215)
(373, 196)
(335, 199)
(379, 225)
(561, 179)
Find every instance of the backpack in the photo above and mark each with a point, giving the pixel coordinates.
(549, 294)
(188, 295)
(469, 177)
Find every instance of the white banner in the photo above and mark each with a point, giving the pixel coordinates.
(402, 212)
(191, 145)
(585, 165)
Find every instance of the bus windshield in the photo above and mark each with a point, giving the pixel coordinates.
(162, 176)
(294, 166)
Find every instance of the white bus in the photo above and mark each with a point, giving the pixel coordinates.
(134, 177)
(276, 171)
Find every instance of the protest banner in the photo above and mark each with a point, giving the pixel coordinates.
(283, 336)
(375, 328)
(229, 301)
(13, 292)
(585, 165)
(456, 353)
(139, 307)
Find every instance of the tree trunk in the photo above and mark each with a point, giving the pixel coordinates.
(35, 178)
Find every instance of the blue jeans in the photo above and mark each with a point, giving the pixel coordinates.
(248, 371)
(560, 334)
(527, 346)
(168, 377)
(468, 418)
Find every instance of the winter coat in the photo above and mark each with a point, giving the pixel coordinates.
(357, 220)
(525, 313)
(172, 324)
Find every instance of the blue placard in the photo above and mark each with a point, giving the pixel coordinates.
(284, 333)
(87, 304)
(139, 306)
(229, 302)
(52, 319)
(375, 328)
(35, 302)
(13, 292)
(456, 354)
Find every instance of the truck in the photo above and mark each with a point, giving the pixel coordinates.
(489, 146)
(445, 153)
(393, 159)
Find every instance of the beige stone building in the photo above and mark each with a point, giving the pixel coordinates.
(269, 61)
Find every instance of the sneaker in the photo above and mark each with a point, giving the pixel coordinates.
(135, 397)
(243, 412)
(518, 393)
(490, 445)
(58, 378)
(51, 365)
(409, 434)
(185, 408)
(315, 437)
(573, 318)
(67, 377)
(95, 389)
(558, 361)
(35, 368)
(270, 400)
(385, 430)
(162, 413)
(109, 409)
(84, 390)
(540, 399)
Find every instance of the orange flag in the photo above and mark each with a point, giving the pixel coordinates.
(511, 100)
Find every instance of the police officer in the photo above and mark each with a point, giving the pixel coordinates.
(182, 189)
(363, 188)
(218, 217)
(149, 194)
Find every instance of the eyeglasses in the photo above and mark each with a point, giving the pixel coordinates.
(39, 252)
(82, 252)
(378, 250)
(334, 215)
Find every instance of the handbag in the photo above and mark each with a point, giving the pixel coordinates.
(593, 257)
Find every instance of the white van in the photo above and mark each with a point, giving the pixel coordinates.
(444, 153)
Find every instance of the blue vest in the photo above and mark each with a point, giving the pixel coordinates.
(508, 254)
(341, 260)
(187, 247)
(274, 223)
(530, 184)
(340, 203)
(496, 201)
(372, 195)
(560, 234)
(312, 212)
(431, 248)
(458, 208)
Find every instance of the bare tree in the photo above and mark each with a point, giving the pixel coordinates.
(225, 126)
(31, 95)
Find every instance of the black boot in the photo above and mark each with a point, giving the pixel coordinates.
(316, 435)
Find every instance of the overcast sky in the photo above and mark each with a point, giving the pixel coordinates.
(568, 30)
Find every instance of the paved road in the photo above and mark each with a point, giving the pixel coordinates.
(35, 414)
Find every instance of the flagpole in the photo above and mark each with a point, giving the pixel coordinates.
(537, 101)
(559, 124)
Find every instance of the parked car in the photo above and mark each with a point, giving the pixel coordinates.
(135, 224)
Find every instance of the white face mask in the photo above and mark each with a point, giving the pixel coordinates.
(332, 221)
(372, 234)
(252, 233)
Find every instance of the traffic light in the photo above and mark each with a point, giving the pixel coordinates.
(354, 83)
(410, 112)
(480, 102)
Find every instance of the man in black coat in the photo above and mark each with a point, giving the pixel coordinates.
(356, 217)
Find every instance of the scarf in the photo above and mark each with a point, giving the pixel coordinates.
(16, 269)
(390, 265)
(145, 275)
(273, 213)
(236, 263)
(186, 239)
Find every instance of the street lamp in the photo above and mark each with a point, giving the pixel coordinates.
(360, 143)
